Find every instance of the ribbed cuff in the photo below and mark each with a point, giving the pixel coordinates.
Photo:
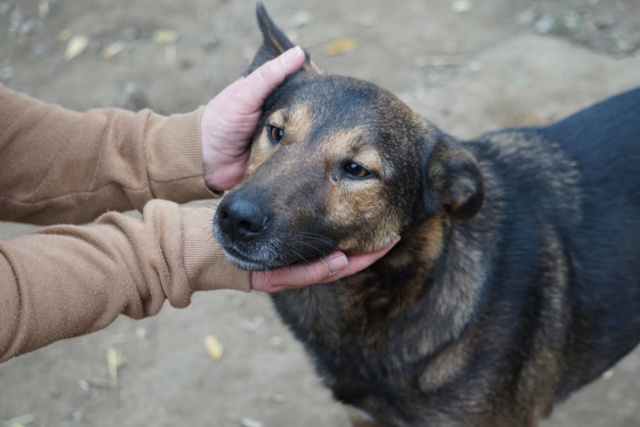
(206, 265)
(174, 158)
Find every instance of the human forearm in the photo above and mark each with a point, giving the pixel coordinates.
(66, 281)
(59, 165)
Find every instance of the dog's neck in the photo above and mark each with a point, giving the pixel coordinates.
(436, 288)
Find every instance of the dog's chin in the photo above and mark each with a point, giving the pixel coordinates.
(245, 263)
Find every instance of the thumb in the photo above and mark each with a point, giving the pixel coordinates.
(329, 269)
(298, 275)
(262, 81)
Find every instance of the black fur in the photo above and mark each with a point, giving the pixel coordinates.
(516, 279)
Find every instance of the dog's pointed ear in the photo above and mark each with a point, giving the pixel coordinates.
(453, 180)
(275, 42)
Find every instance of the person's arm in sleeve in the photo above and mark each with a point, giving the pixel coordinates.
(65, 281)
(62, 166)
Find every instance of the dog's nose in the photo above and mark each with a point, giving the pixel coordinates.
(242, 219)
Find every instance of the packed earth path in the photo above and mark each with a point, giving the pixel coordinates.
(468, 66)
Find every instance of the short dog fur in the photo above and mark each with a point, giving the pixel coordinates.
(516, 280)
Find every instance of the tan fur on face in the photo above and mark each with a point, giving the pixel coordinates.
(355, 204)
(359, 204)
(295, 123)
(353, 144)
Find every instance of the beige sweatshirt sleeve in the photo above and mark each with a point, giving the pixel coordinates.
(64, 281)
(60, 166)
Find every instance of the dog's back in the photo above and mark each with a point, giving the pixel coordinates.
(604, 141)
(567, 201)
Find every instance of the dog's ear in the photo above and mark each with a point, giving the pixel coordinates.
(453, 180)
(275, 42)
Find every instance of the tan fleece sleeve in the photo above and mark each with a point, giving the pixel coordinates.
(65, 281)
(61, 166)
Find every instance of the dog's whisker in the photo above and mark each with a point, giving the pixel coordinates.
(317, 237)
(318, 250)
(299, 255)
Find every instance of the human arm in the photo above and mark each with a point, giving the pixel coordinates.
(62, 166)
(65, 281)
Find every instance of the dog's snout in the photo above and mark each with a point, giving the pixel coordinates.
(242, 219)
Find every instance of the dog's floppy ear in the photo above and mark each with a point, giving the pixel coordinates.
(453, 180)
(275, 42)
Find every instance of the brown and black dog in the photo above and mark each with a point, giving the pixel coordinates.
(516, 280)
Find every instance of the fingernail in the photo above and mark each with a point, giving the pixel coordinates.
(338, 263)
(292, 55)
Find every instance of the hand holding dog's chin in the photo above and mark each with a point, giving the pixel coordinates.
(229, 120)
(334, 267)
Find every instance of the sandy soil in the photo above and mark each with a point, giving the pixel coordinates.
(500, 63)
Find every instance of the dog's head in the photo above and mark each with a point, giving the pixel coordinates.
(338, 163)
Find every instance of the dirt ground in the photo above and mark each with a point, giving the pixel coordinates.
(469, 66)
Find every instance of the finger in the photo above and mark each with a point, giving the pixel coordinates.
(298, 275)
(329, 269)
(262, 81)
(362, 261)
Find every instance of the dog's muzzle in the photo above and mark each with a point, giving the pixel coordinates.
(254, 238)
(240, 225)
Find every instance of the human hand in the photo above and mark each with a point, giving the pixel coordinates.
(229, 120)
(334, 267)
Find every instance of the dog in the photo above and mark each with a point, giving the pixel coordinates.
(516, 279)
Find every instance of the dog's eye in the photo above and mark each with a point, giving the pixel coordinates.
(356, 171)
(275, 134)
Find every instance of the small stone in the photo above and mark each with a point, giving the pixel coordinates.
(475, 66)
(572, 20)
(280, 398)
(5, 8)
(27, 27)
(248, 422)
(461, 6)
(54, 392)
(142, 333)
(43, 8)
(545, 24)
(203, 15)
(252, 325)
(129, 33)
(6, 71)
(526, 18)
(212, 45)
(276, 341)
(77, 416)
(84, 385)
(302, 19)
(38, 49)
(368, 21)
